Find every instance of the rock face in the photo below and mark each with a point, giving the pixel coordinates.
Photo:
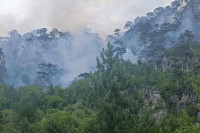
(158, 105)
(180, 102)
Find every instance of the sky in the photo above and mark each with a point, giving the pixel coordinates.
(102, 16)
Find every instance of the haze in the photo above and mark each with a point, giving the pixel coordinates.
(102, 16)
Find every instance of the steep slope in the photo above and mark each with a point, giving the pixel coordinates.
(163, 27)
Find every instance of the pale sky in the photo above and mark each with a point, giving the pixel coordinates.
(102, 16)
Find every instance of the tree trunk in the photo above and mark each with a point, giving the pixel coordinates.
(163, 66)
(182, 67)
(187, 69)
(156, 67)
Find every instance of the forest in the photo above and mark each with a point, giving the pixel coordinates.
(145, 79)
(158, 95)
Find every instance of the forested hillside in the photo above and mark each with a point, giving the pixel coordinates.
(146, 79)
(163, 26)
(118, 97)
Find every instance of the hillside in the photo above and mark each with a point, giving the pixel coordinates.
(146, 80)
(163, 26)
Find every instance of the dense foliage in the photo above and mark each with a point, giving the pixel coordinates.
(120, 97)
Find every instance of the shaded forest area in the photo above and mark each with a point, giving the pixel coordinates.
(157, 95)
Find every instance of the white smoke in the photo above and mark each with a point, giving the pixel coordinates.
(73, 54)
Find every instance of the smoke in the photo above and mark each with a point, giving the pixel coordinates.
(72, 54)
(103, 16)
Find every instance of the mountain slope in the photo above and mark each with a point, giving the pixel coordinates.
(163, 26)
